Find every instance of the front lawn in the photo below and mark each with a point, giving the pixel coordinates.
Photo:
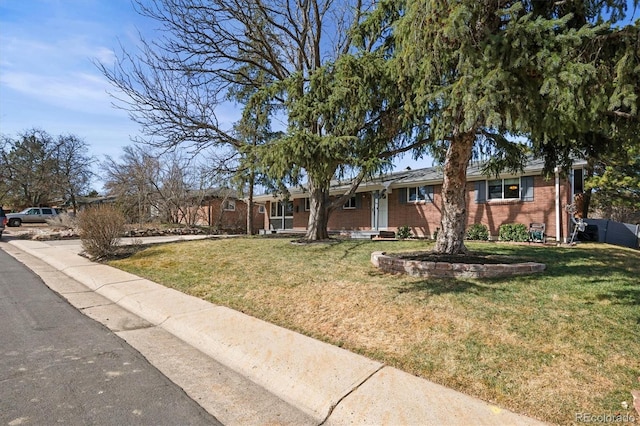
(550, 345)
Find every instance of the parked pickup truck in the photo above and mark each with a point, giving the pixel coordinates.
(31, 215)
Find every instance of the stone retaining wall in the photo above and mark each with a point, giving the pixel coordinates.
(418, 268)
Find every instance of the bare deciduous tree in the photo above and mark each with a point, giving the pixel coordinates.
(39, 169)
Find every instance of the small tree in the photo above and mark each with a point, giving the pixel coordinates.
(130, 180)
(100, 230)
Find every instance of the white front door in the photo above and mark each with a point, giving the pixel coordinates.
(383, 212)
(379, 211)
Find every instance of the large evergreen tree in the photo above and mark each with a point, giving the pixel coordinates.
(333, 103)
(477, 72)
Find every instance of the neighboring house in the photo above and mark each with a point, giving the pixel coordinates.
(413, 198)
(222, 210)
(85, 202)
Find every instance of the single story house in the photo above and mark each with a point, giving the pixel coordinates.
(413, 198)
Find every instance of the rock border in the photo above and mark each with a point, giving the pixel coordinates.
(416, 268)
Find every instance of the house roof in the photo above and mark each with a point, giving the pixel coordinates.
(404, 178)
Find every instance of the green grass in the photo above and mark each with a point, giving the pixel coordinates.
(548, 345)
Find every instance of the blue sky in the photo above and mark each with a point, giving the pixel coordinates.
(47, 76)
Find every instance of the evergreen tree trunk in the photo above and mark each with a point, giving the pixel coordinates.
(454, 207)
(319, 214)
(250, 204)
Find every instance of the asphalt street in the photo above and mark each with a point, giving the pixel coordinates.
(60, 366)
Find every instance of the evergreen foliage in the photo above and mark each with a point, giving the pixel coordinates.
(616, 181)
(474, 73)
(297, 62)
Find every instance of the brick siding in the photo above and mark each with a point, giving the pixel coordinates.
(424, 217)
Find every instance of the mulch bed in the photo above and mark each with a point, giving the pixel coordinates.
(469, 258)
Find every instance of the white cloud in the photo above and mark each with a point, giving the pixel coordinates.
(75, 91)
(105, 55)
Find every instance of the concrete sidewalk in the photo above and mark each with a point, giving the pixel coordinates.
(328, 384)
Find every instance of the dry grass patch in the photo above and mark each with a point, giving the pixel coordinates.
(549, 346)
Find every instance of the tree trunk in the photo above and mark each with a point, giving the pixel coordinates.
(250, 204)
(454, 207)
(586, 197)
(319, 214)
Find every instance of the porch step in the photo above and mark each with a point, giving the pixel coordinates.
(362, 235)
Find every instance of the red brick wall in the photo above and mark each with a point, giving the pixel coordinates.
(231, 220)
(540, 210)
(300, 216)
(347, 219)
(353, 219)
(424, 218)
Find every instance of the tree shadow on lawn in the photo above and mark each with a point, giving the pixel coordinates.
(590, 262)
(628, 296)
(439, 286)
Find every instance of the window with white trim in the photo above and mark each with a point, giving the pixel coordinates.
(420, 193)
(578, 181)
(230, 205)
(350, 204)
(504, 189)
(261, 209)
(281, 209)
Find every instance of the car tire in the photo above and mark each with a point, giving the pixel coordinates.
(14, 222)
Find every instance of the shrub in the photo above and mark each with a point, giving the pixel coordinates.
(100, 229)
(514, 232)
(404, 232)
(478, 231)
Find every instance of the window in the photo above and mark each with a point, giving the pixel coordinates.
(47, 211)
(281, 208)
(420, 193)
(307, 204)
(230, 205)
(351, 204)
(578, 181)
(33, 211)
(281, 215)
(261, 209)
(504, 189)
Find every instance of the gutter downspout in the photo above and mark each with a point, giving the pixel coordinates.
(558, 230)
